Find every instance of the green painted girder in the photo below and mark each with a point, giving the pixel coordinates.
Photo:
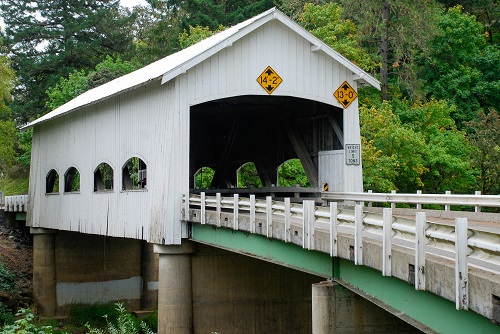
(424, 307)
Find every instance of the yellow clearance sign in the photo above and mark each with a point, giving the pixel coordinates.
(345, 94)
(269, 80)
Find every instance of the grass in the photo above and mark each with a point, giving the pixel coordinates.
(14, 185)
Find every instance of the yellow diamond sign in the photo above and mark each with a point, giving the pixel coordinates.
(345, 94)
(269, 80)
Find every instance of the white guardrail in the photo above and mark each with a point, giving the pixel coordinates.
(458, 238)
(18, 203)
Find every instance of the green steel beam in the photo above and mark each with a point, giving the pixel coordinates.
(427, 308)
(21, 216)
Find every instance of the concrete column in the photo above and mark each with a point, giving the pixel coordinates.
(323, 308)
(149, 274)
(44, 270)
(175, 296)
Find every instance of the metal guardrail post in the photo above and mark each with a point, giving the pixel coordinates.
(477, 208)
(461, 269)
(419, 206)
(393, 205)
(252, 213)
(358, 234)
(203, 209)
(287, 220)
(420, 241)
(269, 216)
(235, 212)
(447, 206)
(387, 243)
(218, 206)
(333, 229)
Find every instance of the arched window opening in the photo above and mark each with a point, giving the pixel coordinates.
(134, 174)
(52, 182)
(103, 177)
(248, 177)
(292, 173)
(203, 178)
(72, 180)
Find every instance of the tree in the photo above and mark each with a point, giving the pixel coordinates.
(7, 127)
(447, 153)
(79, 82)
(462, 67)
(392, 153)
(214, 13)
(397, 32)
(486, 11)
(49, 40)
(485, 137)
(326, 23)
(155, 30)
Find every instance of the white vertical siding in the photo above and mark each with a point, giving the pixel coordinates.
(152, 123)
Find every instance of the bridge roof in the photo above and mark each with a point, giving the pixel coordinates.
(171, 66)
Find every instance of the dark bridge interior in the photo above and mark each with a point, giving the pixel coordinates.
(266, 130)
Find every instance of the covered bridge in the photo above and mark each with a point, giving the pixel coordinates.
(117, 159)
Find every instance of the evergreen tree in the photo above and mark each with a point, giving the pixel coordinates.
(51, 39)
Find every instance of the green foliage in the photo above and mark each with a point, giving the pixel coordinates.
(50, 40)
(25, 324)
(461, 67)
(24, 139)
(6, 316)
(79, 82)
(409, 28)
(12, 184)
(94, 315)
(447, 154)
(196, 34)
(213, 13)
(204, 177)
(485, 137)
(248, 177)
(392, 153)
(125, 324)
(292, 173)
(7, 144)
(7, 279)
(6, 82)
(326, 23)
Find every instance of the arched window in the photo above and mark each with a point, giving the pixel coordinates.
(134, 174)
(203, 178)
(72, 180)
(52, 182)
(103, 177)
(248, 177)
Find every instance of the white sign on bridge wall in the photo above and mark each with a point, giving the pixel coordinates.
(352, 154)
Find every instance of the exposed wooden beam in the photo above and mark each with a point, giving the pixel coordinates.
(336, 127)
(303, 154)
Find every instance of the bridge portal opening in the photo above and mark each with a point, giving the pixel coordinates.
(227, 134)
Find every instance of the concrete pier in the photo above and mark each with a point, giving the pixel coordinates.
(323, 308)
(175, 295)
(44, 270)
(336, 309)
(149, 274)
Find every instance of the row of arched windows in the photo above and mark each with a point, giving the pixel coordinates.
(133, 178)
